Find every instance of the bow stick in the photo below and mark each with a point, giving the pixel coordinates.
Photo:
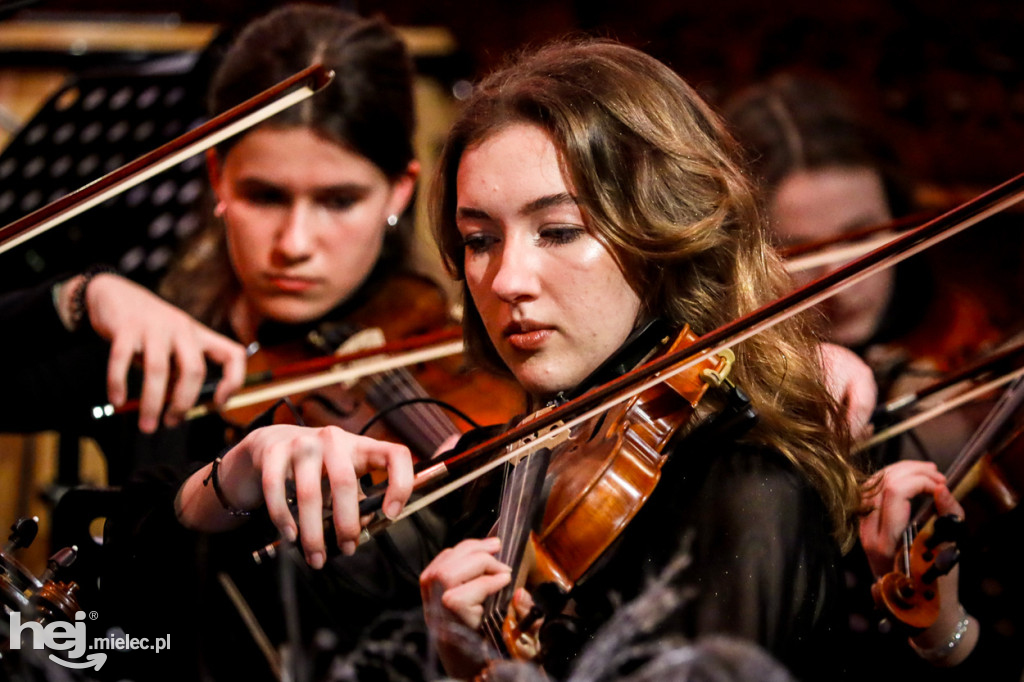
(233, 121)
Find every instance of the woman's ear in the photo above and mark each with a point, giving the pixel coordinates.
(403, 187)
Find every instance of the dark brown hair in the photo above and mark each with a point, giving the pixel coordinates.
(368, 107)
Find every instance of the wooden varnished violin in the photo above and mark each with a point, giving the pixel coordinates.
(595, 483)
(421, 406)
(909, 593)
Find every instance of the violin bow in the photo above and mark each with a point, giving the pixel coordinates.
(845, 247)
(314, 373)
(980, 440)
(568, 415)
(440, 477)
(966, 374)
(338, 373)
(231, 122)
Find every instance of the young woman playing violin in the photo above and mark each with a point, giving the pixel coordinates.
(584, 192)
(308, 229)
(826, 173)
(309, 225)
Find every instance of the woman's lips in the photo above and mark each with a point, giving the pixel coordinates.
(293, 285)
(527, 337)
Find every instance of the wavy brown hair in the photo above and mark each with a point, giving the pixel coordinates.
(368, 108)
(654, 172)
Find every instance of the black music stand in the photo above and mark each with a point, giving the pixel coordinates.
(93, 125)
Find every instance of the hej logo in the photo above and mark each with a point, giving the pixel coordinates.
(59, 636)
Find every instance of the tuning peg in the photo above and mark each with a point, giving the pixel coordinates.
(943, 564)
(61, 559)
(949, 528)
(23, 532)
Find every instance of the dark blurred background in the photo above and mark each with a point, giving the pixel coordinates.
(945, 77)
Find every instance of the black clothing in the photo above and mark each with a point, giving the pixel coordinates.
(52, 376)
(763, 564)
(988, 585)
(764, 567)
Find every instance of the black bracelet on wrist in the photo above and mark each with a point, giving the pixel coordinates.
(234, 511)
(78, 305)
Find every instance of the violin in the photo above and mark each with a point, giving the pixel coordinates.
(594, 484)
(416, 405)
(909, 593)
(465, 467)
(560, 559)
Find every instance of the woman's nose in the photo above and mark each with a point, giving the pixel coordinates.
(295, 238)
(515, 277)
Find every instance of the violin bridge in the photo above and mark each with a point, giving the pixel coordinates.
(538, 440)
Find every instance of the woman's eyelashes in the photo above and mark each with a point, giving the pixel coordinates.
(478, 242)
(560, 234)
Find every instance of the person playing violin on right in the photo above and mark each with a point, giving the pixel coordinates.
(826, 173)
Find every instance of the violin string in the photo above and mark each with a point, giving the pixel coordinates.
(508, 482)
(391, 388)
(428, 420)
(440, 424)
(908, 540)
(384, 392)
(514, 529)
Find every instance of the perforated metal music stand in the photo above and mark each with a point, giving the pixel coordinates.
(93, 125)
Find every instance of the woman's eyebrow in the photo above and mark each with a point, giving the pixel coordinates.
(560, 199)
(471, 213)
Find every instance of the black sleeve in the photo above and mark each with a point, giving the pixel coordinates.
(765, 566)
(53, 377)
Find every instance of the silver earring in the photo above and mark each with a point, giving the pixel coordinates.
(392, 220)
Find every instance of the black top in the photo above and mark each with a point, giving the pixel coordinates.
(763, 568)
(51, 374)
(759, 560)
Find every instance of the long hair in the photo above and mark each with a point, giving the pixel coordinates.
(367, 108)
(655, 175)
